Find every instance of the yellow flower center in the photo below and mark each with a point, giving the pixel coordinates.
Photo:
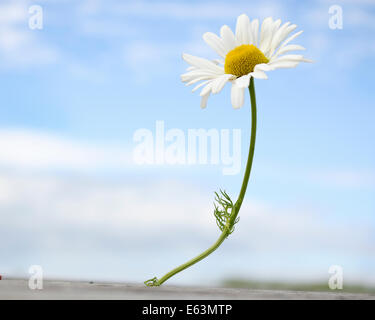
(243, 59)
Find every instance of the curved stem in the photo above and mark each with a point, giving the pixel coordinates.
(251, 149)
(237, 206)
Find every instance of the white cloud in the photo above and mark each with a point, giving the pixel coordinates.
(39, 150)
(91, 202)
(141, 219)
(20, 46)
(12, 12)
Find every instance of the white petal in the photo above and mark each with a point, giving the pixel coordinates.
(284, 64)
(265, 31)
(291, 38)
(266, 24)
(237, 96)
(283, 34)
(279, 36)
(276, 25)
(243, 82)
(202, 63)
(219, 83)
(262, 67)
(267, 41)
(198, 72)
(206, 89)
(243, 30)
(288, 48)
(228, 38)
(192, 79)
(307, 60)
(289, 57)
(255, 31)
(215, 43)
(259, 74)
(204, 100)
(195, 80)
(200, 85)
(195, 74)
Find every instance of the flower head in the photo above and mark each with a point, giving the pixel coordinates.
(248, 53)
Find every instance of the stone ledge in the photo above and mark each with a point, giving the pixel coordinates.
(61, 290)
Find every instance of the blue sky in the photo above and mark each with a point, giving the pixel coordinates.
(74, 93)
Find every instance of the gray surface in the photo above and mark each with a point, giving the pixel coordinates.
(18, 289)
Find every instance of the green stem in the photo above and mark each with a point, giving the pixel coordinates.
(237, 206)
(251, 150)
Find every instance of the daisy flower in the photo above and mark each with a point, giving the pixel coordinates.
(246, 55)
(250, 52)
